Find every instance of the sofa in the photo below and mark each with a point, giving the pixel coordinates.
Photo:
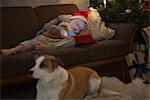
(107, 57)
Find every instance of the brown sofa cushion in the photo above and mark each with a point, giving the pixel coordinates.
(126, 32)
(123, 30)
(69, 56)
(18, 24)
(16, 65)
(49, 12)
(107, 49)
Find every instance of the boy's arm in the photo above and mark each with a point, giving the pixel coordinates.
(64, 29)
(57, 20)
(63, 33)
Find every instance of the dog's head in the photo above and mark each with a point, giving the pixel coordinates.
(45, 65)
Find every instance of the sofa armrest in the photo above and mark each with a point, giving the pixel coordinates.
(126, 32)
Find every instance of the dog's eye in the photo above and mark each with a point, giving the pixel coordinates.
(42, 65)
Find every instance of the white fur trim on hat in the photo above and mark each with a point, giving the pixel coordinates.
(79, 17)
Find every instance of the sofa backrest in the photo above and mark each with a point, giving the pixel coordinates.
(17, 24)
(124, 31)
(48, 12)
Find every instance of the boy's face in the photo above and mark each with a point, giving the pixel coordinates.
(76, 25)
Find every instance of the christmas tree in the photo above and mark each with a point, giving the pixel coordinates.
(122, 10)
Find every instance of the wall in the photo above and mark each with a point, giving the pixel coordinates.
(82, 4)
(13, 2)
(34, 3)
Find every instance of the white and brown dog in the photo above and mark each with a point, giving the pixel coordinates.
(56, 83)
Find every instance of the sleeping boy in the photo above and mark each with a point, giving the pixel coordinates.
(56, 36)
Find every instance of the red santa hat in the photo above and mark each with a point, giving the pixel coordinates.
(79, 17)
(82, 14)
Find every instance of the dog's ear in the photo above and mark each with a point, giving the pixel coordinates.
(36, 55)
(60, 62)
(57, 62)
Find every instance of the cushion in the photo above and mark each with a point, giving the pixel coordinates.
(18, 64)
(46, 13)
(67, 55)
(106, 49)
(17, 24)
(84, 39)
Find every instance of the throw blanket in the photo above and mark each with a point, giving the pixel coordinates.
(41, 42)
(97, 27)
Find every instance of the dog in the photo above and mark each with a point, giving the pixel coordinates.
(57, 83)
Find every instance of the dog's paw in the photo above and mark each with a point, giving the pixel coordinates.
(105, 92)
(88, 98)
